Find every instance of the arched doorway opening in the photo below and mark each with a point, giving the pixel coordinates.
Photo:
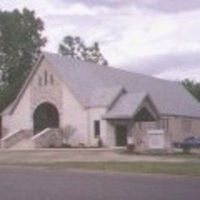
(45, 116)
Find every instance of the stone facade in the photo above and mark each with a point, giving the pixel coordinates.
(46, 87)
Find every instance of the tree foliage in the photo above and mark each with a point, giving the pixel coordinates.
(75, 47)
(20, 43)
(192, 87)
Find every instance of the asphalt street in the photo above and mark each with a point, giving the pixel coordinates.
(44, 184)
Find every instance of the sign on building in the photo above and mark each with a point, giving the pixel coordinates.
(156, 139)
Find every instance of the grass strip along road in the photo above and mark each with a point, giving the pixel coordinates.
(181, 168)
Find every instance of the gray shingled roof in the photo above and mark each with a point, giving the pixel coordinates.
(85, 80)
(104, 97)
(122, 108)
(95, 85)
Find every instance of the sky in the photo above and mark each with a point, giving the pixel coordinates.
(160, 38)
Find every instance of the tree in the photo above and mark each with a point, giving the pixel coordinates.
(20, 44)
(75, 47)
(192, 87)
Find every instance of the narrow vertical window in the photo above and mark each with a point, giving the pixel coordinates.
(51, 79)
(97, 128)
(45, 77)
(40, 81)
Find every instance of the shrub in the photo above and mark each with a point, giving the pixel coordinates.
(66, 133)
(186, 149)
(130, 148)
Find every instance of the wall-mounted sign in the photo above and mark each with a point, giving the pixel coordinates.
(156, 139)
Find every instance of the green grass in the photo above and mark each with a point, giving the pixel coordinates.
(138, 167)
(185, 168)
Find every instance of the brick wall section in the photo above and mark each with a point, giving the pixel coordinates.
(174, 132)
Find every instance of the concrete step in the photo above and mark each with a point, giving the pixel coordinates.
(24, 144)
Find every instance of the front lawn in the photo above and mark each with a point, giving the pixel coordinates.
(172, 168)
(135, 167)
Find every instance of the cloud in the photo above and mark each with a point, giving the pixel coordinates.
(170, 66)
(178, 75)
(171, 6)
(41, 7)
(159, 44)
(148, 36)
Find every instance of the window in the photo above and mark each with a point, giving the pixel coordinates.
(96, 128)
(40, 81)
(163, 124)
(45, 77)
(186, 125)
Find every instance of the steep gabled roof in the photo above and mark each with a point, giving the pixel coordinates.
(95, 85)
(104, 97)
(129, 105)
(85, 78)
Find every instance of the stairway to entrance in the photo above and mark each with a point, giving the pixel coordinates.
(24, 144)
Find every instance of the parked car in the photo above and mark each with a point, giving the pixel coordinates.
(190, 142)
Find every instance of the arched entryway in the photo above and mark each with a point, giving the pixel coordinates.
(45, 116)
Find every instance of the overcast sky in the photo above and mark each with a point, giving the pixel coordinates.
(156, 37)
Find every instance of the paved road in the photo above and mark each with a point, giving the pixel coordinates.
(42, 184)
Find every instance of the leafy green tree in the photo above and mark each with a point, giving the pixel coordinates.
(192, 87)
(20, 44)
(75, 47)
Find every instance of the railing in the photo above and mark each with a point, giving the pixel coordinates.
(47, 138)
(13, 138)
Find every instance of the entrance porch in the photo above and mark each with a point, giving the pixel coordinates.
(124, 117)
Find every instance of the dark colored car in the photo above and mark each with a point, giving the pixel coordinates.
(190, 142)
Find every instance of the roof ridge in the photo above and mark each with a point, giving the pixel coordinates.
(110, 67)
